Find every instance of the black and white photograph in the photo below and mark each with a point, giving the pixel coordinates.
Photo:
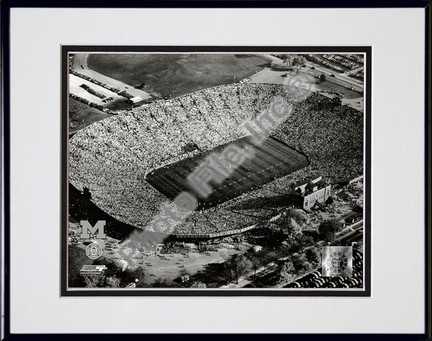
(235, 171)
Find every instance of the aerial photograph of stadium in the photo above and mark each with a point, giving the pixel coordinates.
(215, 171)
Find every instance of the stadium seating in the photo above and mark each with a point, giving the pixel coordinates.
(111, 157)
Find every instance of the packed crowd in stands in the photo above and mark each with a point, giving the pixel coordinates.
(334, 149)
(112, 157)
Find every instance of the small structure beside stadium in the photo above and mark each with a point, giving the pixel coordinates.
(310, 193)
(135, 100)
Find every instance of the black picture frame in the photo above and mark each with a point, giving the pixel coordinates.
(6, 7)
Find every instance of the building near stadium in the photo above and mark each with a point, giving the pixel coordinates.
(136, 99)
(311, 192)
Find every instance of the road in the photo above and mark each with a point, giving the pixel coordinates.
(358, 85)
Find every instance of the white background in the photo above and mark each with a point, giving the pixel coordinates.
(397, 38)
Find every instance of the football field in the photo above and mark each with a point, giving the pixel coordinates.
(270, 160)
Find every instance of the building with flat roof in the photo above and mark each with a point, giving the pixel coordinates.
(136, 99)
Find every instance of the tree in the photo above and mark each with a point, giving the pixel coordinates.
(93, 281)
(307, 266)
(297, 216)
(294, 245)
(285, 224)
(328, 229)
(297, 243)
(198, 284)
(287, 272)
(163, 283)
(300, 263)
(304, 241)
(284, 57)
(299, 60)
(239, 265)
(113, 282)
(255, 263)
(313, 255)
(322, 77)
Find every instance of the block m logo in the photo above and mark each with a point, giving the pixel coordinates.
(87, 229)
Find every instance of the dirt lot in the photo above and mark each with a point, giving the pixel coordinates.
(170, 269)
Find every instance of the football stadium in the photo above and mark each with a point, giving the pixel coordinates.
(138, 161)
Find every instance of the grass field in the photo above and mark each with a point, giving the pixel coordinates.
(175, 74)
(272, 159)
(81, 115)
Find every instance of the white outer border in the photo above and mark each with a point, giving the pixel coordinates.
(397, 38)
